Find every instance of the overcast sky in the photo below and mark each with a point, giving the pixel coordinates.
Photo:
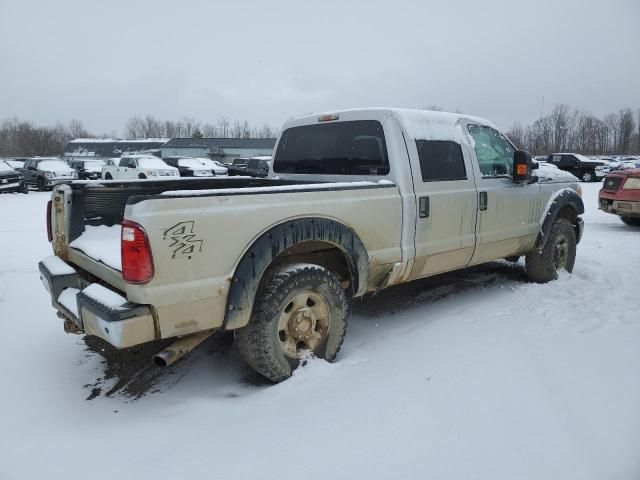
(103, 62)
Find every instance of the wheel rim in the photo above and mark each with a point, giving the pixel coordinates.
(586, 177)
(303, 323)
(561, 252)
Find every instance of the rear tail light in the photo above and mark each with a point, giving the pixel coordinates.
(137, 262)
(49, 231)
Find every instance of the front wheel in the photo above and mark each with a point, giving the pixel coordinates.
(559, 253)
(40, 184)
(588, 176)
(631, 221)
(108, 176)
(142, 176)
(302, 308)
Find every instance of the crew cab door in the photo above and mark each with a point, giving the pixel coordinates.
(446, 204)
(508, 212)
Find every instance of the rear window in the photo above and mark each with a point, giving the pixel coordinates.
(342, 148)
(440, 160)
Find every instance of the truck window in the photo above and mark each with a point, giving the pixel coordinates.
(124, 162)
(494, 152)
(340, 148)
(440, 160)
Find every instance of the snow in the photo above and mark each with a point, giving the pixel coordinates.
(5, 167)
(477, 374)
(101, 243)
(105, 296)
(548, 172)
(68, 300)
(276, 188)
(54, 166)
(153, 162)
(57, 266)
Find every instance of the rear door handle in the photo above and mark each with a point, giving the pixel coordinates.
(483, 200)
(423, 207)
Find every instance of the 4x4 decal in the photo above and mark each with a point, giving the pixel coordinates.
(184, 242)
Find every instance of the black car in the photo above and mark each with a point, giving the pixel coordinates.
(11, 180)
(90, 169)
(257, 167)
(238, 167)
(582, 167)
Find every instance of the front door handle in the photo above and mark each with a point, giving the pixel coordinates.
(423, 207)
(482, 200)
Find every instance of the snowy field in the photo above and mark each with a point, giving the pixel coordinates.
(473, 375)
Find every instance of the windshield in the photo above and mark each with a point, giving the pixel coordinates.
(53, 166)
(190, 163)
(5, 167)
(342, 148)
(152, 162)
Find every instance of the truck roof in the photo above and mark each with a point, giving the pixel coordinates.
(418, 123)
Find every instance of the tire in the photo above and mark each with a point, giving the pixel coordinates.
(269, 344)
(142, 176)
(559, 253)
(588, 176)
(25, 189)
(631, 221)
(108, 176)
(40, 184)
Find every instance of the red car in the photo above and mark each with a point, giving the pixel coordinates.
(620, 195)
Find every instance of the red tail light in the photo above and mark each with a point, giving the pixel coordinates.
(137, 262)
(49, 232)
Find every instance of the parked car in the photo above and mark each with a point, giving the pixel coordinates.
(257, 167)
(88, 169)
(189, 167)
(140, 167)
(237, 167)
(582, 167)
(44, 173)
(11, 180)
(218, 168)
(365, 199)
(620, 195)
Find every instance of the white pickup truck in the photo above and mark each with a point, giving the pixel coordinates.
(356, 201)
(138, 167)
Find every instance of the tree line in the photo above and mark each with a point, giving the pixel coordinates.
(25, 139)
(566, 129)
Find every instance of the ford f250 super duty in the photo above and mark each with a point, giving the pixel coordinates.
(355, 201)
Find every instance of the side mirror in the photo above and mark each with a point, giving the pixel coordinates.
(522, 166)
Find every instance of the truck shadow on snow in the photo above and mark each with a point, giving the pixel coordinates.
(131, 374)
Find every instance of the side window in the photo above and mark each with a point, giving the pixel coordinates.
(494, 152)
(124, 162)
(132, 163)
(556, 158)
(252, 164)
(440, 160)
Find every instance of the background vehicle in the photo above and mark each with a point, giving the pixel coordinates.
(218, 168)
(140, 167)
(11, 180)
(189, 167)
(365, 199)
(582, 167)
(258, 167)
(88, 169)
(620, 195)
(237, 167)
(45, 173)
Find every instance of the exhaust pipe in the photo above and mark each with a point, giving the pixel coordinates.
(180, 347)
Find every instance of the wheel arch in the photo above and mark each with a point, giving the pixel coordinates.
(566, 204)
(322, 241)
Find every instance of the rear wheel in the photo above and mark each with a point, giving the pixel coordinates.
(559, 253)
(631, 221)
(301, 309)
(588, 176)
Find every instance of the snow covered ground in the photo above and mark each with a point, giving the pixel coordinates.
(476, 374)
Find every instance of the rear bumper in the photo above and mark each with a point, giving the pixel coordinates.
(95, 309)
